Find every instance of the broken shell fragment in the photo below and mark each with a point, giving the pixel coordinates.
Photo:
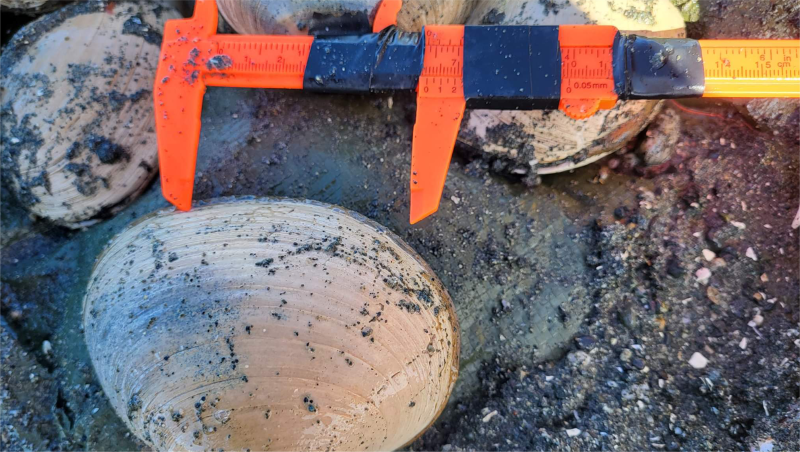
(269, 324)
(550, 141)
(295, 16)
(78, 138)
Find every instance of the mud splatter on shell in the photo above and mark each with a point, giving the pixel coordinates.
(294, 16)
(265, 323)
(549, 141)
(77, 118)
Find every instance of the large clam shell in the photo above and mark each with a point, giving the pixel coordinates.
(27, 6)
(77, 111)
(550, 141)
(269, 324)
(294, 16)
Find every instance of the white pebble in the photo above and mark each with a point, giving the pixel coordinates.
(758, 319)
(573, 432)
(796, 222)
(47, 347)
(709, 255)
(743, 343)
(455, 199)
(766, 445)
(703, 275)
(489, 416)
(738, 224)
(698, 361)
(751, 254)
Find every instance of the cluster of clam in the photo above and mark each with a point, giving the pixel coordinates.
(77, 120)
(259, 324)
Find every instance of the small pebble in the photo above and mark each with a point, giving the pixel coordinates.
(585, 342)
(796, 221)
(573, 432)
(743, 343)
(703, 275)
(47, 347)
(751, 254)
(489, 416)
(738, 224)
(766, 445)
(713, 294)
(718, 262)
(758, 319)
(709, 255)
(455, 199)
(698, 361)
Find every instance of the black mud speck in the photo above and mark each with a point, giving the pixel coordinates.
(117, 100)
(74, 150)
(147, 167)
(408, 306)
(86, 182)
(134, 405)
(264, 263)
(219, 62)
(493, 17)
(424, 295)
(106, 150)
(138, 27)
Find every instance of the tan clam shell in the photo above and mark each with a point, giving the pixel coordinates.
(549, 139)
(294, 16)
(25, 5)
(77, 120)
(222, 326)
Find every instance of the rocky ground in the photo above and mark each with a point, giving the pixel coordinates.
(703, 263)
(620, 306)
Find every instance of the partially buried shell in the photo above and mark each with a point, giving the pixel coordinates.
(549, 141)
(294, 16)
(77, 116)
(28, 6)
(269, 324)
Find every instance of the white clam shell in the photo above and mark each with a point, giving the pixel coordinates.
(269, 324)
(77, 119)
(551, 139)
(294, 16)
